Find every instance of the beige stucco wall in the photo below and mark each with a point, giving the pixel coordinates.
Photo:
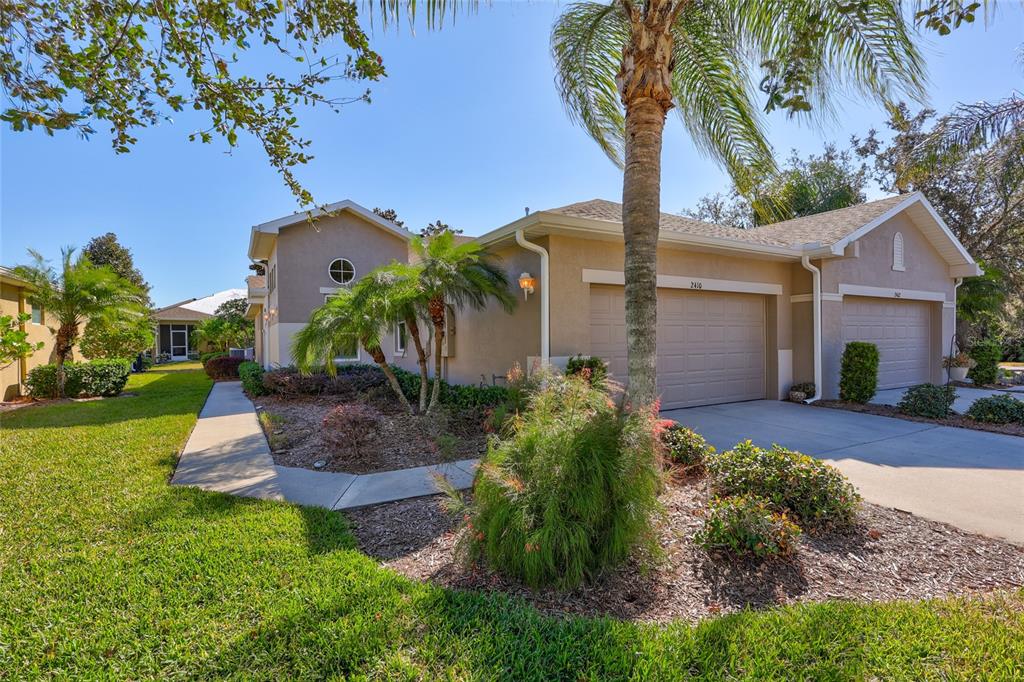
(10, 376)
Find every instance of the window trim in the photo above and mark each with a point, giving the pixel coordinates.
(401, 340)
(351, 265)
(42, 315)
(899, 251)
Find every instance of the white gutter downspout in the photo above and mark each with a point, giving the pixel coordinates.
(816, 310)
(545, 297)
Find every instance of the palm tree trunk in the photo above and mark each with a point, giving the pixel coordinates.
(644, 83)
(377, 354)
(412, 324)
(435, 396)
(63, 344)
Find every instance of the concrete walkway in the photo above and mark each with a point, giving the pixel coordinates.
(228, 453)
(971, 479)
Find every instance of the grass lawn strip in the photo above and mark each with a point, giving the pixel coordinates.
(108, 572)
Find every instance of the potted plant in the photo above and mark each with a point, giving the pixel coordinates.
(801, 392)
(957, 365)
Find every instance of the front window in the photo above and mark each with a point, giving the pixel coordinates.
(341, 270)
(37, 315)
(401, 334)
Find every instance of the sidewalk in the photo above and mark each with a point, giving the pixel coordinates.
(228, 453)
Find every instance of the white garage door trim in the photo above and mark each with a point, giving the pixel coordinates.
(883, 292)
(712, 346)
(686, 282)
(902, 331)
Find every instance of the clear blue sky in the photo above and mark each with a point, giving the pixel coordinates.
(467, 127)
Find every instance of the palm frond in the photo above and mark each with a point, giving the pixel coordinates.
(978, 124)
(434, 12)
(586, 44)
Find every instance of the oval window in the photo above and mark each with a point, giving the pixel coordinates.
(341, 270)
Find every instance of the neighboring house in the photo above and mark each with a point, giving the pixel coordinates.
(14, 294)
(175, 323)
(736, 307)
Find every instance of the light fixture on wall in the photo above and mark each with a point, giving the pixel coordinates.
(266, 315)
(527, 284)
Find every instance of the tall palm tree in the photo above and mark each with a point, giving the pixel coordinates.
(458, 275)
(398, 285)
(78, 292)
(621, 65)
(339, 323)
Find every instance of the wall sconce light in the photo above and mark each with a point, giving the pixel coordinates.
(527, 284)
(266, 316)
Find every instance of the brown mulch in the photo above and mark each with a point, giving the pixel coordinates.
(402, 442)
(955, 420)
(890, 555)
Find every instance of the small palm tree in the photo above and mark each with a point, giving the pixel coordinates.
(398, 285)
(459, 275)
(78, 292)
(338, 324)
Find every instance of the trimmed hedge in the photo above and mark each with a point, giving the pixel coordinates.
(986, 356)
(96, 378)
(206, 357)
(456, 395)
(997, 409)
(224, 367)
(348, 383)
(818, 494)
(685, 447)
(928, 400)
(858, 374)
(251, 374)
(746, 527)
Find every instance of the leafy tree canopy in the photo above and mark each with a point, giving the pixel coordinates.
(389, 214)
(228, 327)
(106, 250)
(130, 65)
(122, 337)
(437, 227)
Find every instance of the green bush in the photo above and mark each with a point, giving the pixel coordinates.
(858, 373)
(999, 409)
(746, 527)
(806, 387)
(928, 400)
(455, 395)
(206, 357)
(572, 491)
(685, 447)
(251, 374)
(986, 356)
(104, 377)
(816, 493)
(592, 366)
(223, 367)
(95, 378)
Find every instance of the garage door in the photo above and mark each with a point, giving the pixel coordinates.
(710, 345)
(902, 332)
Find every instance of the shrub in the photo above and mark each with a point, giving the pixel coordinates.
(746, 527)
(928, 400)
(455, 395)
(351, 426)
(206, 357)
(816, 493)
(42, 381)
(986, 356)
(1000, 409)
(685, 447)
(858, 373)
(590, 365)
(223, 367)
(104, 377)
(350, 381)
(251, 374)
(571, 491)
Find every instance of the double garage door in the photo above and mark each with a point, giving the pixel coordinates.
(711, 345)
(902, 332)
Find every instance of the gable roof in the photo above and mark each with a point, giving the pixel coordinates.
(273, 227)
(197, 308)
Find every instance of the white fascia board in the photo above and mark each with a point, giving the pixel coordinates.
(887, 292)
(966, 270)
(687, 282)
(274, 226)
(968, 259)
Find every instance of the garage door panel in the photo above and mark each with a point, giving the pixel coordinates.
(710, 344)
(902, 332)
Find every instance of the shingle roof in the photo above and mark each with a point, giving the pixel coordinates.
(826, 228)
(177, 312)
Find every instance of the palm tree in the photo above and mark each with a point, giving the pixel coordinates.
(398, 285)
(621, 65)
(339, 323)
(78, 292)
(458, 275)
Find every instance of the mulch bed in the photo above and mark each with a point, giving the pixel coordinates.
(890, 555)
(403, 441)
(956, 420)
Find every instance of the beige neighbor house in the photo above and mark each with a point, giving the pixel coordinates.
(742, 314)
(172, 339)
(14, 294)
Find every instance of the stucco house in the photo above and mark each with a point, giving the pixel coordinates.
(14, 295)
(742, 314)
(175, 323)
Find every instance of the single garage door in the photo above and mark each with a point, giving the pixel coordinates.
(902, 332)
(711, 345)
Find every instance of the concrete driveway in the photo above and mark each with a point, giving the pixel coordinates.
(971, 479)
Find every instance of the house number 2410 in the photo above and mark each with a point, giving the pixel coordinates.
(696, 285)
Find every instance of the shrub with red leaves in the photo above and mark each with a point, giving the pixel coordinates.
(223, 367)
(351, 426)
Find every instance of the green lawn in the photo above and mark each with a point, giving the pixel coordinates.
(107, 572)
